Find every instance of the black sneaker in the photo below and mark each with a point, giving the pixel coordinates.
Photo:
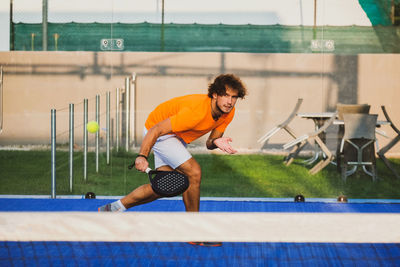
(206, 244)
(105, 208)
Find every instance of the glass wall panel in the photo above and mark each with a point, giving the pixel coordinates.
(115, 61)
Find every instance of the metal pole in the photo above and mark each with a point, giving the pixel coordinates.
(315, 20)
(127, 111)
(71, 146)
(112, 132)
(53, 153)
(85, 137)
(108, 126)
(133, 92)
(392, 12)
(11, 26)
(97, 133)
(44, 24)
(117, 119)
(162, 28)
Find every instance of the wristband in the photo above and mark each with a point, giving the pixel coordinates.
(212, 141)
(141, 155)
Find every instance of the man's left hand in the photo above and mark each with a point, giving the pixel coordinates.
(223, 144)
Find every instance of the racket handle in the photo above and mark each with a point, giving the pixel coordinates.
(148, 170)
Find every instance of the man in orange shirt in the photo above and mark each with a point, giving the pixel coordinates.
(174, 124)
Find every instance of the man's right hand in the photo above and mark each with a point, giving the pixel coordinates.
(141, 164)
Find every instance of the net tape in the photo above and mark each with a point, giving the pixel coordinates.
(210, 226)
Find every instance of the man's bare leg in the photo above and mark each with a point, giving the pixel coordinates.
(191, 197)
(141, 195)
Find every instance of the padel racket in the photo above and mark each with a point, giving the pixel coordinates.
(167, 183)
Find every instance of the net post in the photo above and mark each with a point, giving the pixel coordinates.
(85, 137)
(53, 153)
(127, 112)
(117, 119)
(97, 133)
(71, 146)
(108, 126)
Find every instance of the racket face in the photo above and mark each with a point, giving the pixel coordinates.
(168, 183)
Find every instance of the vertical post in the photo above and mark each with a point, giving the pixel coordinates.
(33, 41)
(108, 131)
(85, 137)
(315, 20)
(53, 153)
(56, 36)
(71, 146)
(127, 112)
(392, 12)
(117, 119)
(112, 132)
(162, 47)
(12, 35)
(44, 24)
(97, 133)
(133, 108)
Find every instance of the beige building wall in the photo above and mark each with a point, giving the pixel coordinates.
(36, 82)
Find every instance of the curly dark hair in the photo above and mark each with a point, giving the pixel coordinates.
(230, 80)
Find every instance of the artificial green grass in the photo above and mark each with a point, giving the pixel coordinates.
(255, 175)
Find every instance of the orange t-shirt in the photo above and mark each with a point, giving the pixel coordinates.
(190, 116)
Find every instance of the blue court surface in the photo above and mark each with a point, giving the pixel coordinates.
(176, 205)
(95, 253)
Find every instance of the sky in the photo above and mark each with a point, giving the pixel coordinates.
(153, 5)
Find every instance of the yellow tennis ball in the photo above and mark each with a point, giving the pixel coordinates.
(92, 126)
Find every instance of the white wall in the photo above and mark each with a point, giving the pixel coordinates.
(4, 26)
(36, 82)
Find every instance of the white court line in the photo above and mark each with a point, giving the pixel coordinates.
(182, 226)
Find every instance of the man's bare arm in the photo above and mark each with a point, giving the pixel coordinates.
(162, 128)
(210, 141)
(215, 140)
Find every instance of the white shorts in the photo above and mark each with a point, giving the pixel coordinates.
(169, 150)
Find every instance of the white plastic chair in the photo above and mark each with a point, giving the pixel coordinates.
(284, 125)
(359, 134)
(393, 142)
(311, 138)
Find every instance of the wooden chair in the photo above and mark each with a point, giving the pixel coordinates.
(311, 138)
(284, 125)
(357, 145)
(394, 141)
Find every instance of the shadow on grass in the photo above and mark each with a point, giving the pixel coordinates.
(358, 185)
(267, 176)
(264, 176)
